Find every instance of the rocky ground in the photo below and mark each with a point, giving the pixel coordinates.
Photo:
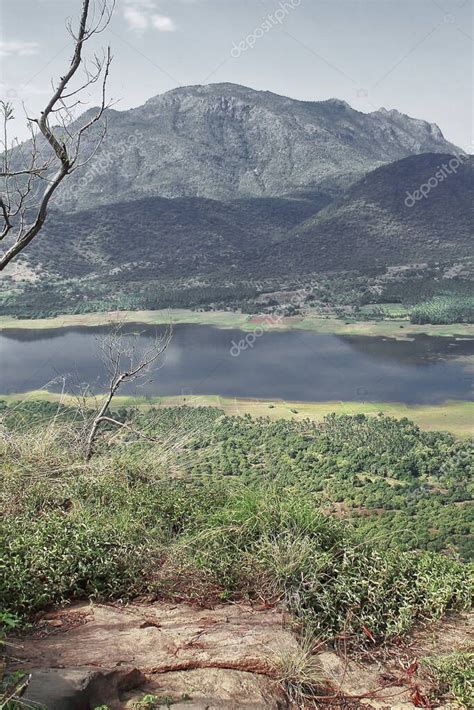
(154, 655)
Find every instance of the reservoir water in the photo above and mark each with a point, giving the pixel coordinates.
(290, 365)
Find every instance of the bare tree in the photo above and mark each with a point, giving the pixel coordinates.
(124, 362)
(29, 181)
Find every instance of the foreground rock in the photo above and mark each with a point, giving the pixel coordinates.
(95, 655)
(229, 657)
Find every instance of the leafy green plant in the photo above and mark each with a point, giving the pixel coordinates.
(244, 518)
(454, 673)
(153, 702)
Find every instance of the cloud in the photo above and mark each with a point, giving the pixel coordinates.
(163, 23)
(17, 48)
(141, 15)
(135, 18)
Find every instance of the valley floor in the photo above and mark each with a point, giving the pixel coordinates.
(454, 416)
(314, 321)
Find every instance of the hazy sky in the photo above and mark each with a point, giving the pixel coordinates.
(413, 55)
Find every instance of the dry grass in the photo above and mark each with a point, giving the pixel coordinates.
(299, 672)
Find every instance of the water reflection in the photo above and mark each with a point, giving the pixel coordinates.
(294, 365)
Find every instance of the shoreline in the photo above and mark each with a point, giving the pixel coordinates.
(390, 328)
(454, 416)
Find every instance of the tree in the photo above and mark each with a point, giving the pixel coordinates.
(29, 181)
(125, 361)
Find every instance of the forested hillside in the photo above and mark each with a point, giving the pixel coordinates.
(399, 486)
(367, 246)
(377, 224)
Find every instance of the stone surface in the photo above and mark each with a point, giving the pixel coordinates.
(204, 659)
(220, 658)
(79, 688)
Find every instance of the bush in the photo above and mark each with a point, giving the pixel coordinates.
(454, 673)
(317, 567)
(119, 526)
(59, 557)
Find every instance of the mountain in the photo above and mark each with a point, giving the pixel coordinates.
(384, 219)
(370, 227)
(223, 141)
(204, 191)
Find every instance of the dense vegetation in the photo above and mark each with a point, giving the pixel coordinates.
(454, 672)
(397, 484)
(224, 507)
(365, 246)
(369, 296)
(444, 310)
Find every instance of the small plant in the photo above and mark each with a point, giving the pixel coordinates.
(298, 672)
(12, 687)
(454, 674)
(7, 622)
(148, 702)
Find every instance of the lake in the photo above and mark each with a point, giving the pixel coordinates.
(291, 365)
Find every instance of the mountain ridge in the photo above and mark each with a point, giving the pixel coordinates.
(369, 227)
(224, 141)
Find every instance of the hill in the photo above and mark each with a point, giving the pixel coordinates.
(378, 222)
(223, 141)
(370, 227)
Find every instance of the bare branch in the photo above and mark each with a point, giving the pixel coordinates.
(6, 219)
(64, 141)
(124, 363)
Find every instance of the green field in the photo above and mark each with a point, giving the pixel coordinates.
(391, 328)
(455, 416)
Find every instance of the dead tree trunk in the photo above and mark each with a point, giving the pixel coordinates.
(22, 220)
(124, 363)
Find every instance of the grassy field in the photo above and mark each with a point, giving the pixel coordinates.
(455, 416)
(391, 328)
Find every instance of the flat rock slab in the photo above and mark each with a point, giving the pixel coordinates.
(91, 655)
(87, 656)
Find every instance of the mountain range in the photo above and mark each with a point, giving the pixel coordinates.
(224, 141)
(224, 180)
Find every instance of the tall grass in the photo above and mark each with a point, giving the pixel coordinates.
(119, 526)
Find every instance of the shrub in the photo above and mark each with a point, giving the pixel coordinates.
(454, 673)
(113, 529)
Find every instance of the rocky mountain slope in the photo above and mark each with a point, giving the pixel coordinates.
(371, 226)
(223, 141)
